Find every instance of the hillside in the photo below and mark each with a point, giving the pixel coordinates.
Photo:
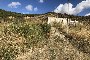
(34, 39)
(5, 14)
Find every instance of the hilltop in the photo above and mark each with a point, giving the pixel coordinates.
(5, 14)
(29, 37)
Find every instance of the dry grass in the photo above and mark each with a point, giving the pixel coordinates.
(80, 31)
(17, 38)
(33, 46)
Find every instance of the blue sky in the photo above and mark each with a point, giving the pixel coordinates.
(38, 6)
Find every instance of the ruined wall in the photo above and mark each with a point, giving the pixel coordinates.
(58, 20)
(63, 21)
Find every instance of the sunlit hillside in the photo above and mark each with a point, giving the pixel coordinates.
(30, 37)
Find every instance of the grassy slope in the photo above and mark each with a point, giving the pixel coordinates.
(17, 37)
(28, 41)
(33, 41)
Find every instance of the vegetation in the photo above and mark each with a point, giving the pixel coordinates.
(19, 35)
(78, 36)
(35, 40)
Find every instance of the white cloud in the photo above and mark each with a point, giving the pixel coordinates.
(87, 0)
(14, 4)
(29, 7)
(25, 12)
(63, 8)
(87, 14)
(41, 1)
(35, 9)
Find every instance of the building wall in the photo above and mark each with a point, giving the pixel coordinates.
(11, 17)
(57, 20)
(63, 21)
(26, 17)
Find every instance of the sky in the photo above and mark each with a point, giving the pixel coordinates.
(76, 7)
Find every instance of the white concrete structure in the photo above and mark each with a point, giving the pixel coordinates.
(57, 20)
(27, 17)
(73, 22)
(63, 21)
(11, 17)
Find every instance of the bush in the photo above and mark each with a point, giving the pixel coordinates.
(33, 33)
(8, 53)
(46, 29)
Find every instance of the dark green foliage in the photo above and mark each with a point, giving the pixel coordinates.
(8, 52)
(46, 28)
(33, 33)
(5, 14)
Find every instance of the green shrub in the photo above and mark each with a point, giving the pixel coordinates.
(33, 33)
(46, 29)
(8, 52)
